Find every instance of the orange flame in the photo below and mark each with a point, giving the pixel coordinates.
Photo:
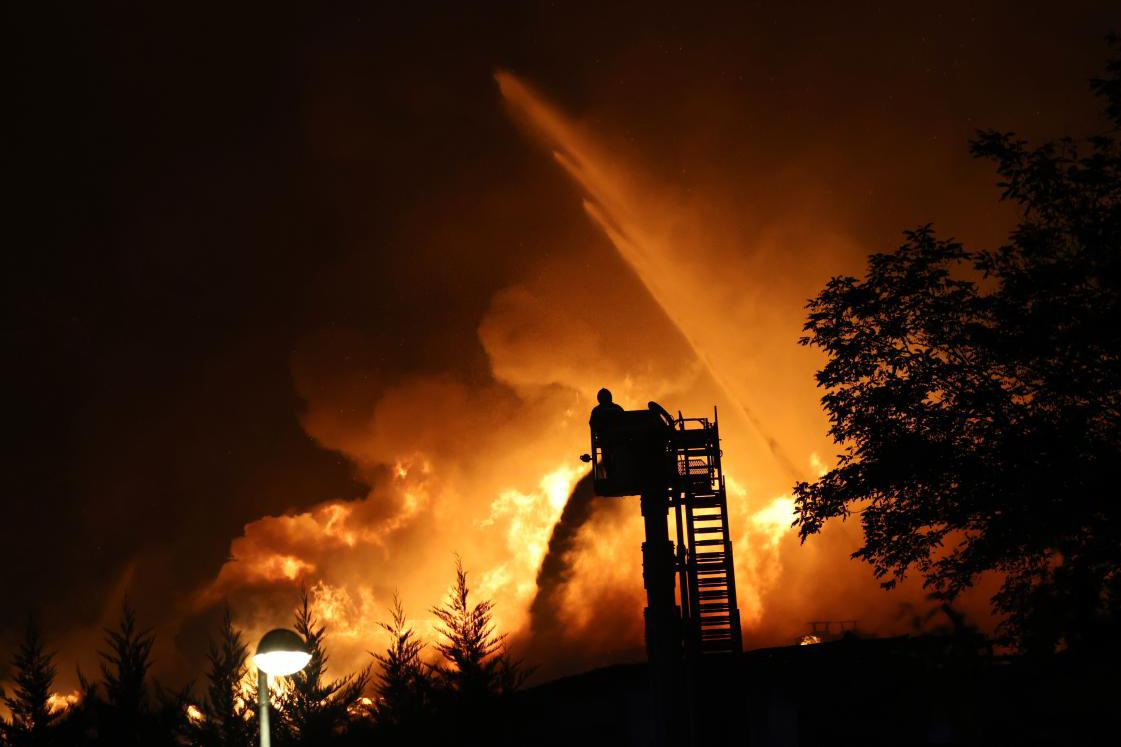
(484, 469)
(59, 702)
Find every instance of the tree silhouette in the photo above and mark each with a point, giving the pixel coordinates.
(33, 674)
(79, 723)
(476, 665)
(403, 684)
(230, 717)
(977, 395)
(168, 725)
(126, 707)
(313, 711)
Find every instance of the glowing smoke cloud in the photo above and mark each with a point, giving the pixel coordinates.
(645, 243)
(556, 567)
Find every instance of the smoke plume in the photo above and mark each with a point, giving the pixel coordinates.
(307, 310)
(556, 568)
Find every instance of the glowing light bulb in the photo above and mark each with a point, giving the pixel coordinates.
(281, 663)
(281, 652)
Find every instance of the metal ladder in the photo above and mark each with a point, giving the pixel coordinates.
(709, 610)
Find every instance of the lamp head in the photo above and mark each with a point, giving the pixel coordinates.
(281, 652)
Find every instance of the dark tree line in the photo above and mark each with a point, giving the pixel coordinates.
(458, 697)
(977, 397)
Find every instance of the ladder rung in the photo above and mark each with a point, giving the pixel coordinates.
(720, 594)
(711, 618)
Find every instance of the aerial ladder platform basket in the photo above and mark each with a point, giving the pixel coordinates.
(673, 464)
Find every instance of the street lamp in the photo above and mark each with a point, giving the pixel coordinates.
(281, 652)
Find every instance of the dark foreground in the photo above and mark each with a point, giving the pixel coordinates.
(895, 691)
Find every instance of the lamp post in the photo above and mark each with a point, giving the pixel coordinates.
(281, 652)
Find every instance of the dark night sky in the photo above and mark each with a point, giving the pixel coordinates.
(199, 192)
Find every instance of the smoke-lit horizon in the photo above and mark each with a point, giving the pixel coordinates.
(313, 308)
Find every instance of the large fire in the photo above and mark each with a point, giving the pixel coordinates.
(483, 467)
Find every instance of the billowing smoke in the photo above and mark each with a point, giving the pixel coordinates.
(727, 294)
(557, 566)
(482, 460)
(574, 624)
(341, 336)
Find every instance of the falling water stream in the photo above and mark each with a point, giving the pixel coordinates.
(647, 234)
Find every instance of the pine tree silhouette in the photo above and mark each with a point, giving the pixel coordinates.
(126, 708)
(403, 684)
(168, 725)
(313, 711)
(78, 726)
(230, 717)
(33, 671)
(477, 665)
